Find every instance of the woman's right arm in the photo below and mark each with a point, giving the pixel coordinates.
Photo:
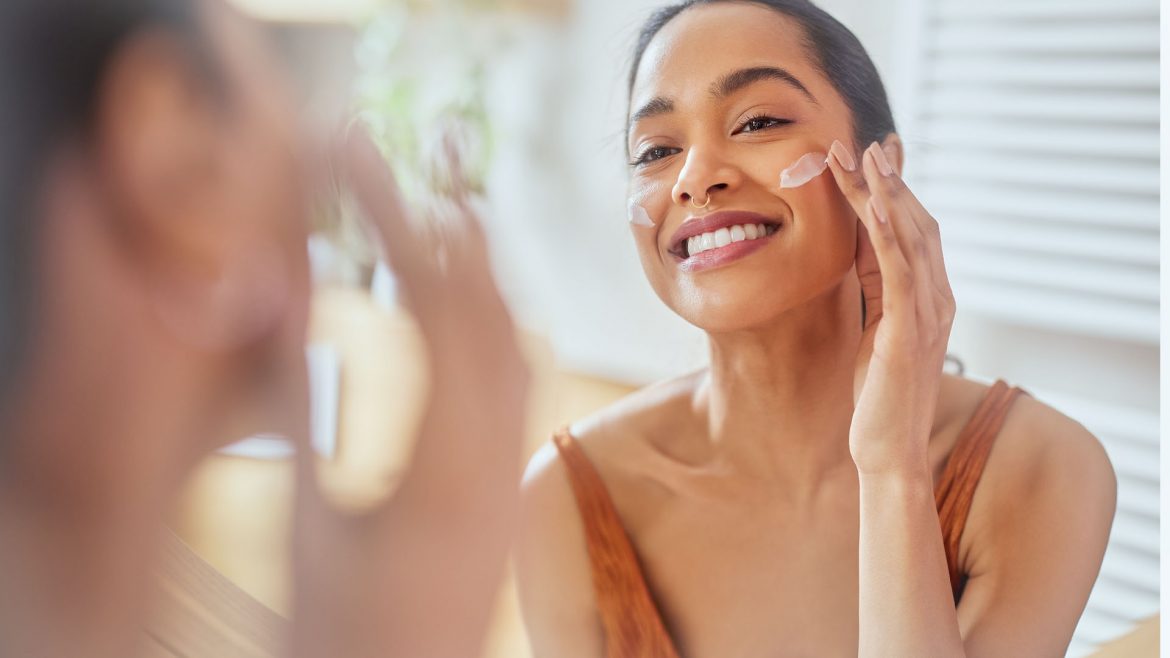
(552, 565)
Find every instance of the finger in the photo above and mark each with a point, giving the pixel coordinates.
(869, 274)
(894, 273)
(932, 231)
(849, 178)
(920, 239)
(466, 294)
(886, 188)
(466, 234)
(376, 190)
(940, 288)
(453, 153)
(861, 182)
(460, 237)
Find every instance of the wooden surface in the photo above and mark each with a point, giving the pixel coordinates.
(1142, 642)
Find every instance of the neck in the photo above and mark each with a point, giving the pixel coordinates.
(779, 398)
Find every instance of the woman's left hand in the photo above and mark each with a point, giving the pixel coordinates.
(909, 311)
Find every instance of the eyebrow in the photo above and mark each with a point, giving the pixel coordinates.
(656, 106)
(736, 80)
(724, 87)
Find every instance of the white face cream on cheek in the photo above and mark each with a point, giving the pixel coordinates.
(638, 214)
(806, 168)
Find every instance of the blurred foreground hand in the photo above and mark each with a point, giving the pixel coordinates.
(417, 574)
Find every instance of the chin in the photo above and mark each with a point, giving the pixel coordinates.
(744, 299)
(721, 317)
(737, 309)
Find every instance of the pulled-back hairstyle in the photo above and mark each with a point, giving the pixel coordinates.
(834, 49)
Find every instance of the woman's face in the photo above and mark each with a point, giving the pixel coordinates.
(717, 112)
(261, 220)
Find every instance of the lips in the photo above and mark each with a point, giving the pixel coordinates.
(711, 223)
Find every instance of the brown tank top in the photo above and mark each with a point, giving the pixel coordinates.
(629, 615)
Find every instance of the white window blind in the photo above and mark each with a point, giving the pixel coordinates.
(1127, 587)
(1032, 131)
(1035, 141)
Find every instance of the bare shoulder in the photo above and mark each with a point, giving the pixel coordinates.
(1035, 538)
(553, 572)
(1044, 450)
(1045, 471)
(1035, 437)
(611, 433)
(552, 558)
(618, 442)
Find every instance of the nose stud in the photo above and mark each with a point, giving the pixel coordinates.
(705, 203)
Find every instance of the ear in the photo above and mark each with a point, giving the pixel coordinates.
(155, 139)
(894, 150)
(160, 143)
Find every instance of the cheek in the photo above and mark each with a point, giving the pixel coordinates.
(651, 196)
(276, 204)
(820, 203)
(766, 165)
(823, 219)
(823, 234)
(648, 204)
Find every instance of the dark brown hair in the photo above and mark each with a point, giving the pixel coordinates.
(834, 48)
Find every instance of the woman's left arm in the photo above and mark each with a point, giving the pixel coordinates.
(1029, 593)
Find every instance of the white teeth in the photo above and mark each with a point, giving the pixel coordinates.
(725, 236)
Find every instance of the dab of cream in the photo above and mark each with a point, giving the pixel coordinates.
(638, 214)
(808, 167)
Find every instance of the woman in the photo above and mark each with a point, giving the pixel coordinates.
(783, 501)
(154, 306)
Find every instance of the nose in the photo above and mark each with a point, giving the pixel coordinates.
(704, 174)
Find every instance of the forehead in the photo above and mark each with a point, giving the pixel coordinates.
(705, 42)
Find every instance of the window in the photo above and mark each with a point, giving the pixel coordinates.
(1032, 131)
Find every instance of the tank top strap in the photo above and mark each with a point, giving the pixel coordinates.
(964, 467)
(633, 627)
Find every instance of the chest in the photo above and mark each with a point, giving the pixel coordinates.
(741, 580)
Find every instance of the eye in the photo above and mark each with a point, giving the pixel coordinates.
(653, 153)
(760, 122)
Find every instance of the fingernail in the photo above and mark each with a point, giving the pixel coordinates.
(879, 209)
(883, 163)
(891, 155)
(843, 156)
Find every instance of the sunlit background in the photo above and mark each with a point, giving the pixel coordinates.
(1032, 133)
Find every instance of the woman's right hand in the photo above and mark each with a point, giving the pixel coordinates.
(418, 574)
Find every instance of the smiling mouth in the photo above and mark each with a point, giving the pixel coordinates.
(724, 236)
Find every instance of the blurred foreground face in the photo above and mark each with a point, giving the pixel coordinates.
(731, 148)
(258, 205)
(199, 184)
(166, 294)
(169, 294)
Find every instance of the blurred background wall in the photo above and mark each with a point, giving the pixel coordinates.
(1032, 135)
